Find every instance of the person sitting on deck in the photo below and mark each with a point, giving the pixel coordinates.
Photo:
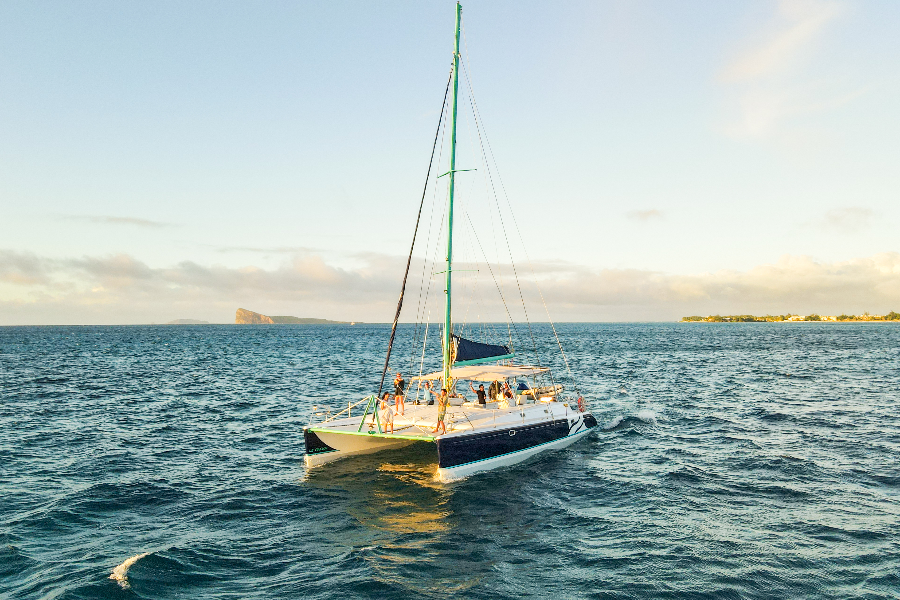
(479, 392)
(504, 397)
(387, 413)
(399, 393)
(443, 401)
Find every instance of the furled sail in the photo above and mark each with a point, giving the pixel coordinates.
(468, 352)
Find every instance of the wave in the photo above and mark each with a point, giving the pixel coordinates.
(642, 417)
(647, 416)
(120, 573)
(615, 422)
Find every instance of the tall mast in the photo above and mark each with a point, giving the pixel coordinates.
(448, 323)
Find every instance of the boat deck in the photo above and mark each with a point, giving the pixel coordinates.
(419, 421)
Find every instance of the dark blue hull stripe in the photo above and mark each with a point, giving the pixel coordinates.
(511, 453)
(456, 451)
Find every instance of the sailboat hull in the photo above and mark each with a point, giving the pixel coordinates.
(461, 471)
(461, 456)
(325, 447)
(477, 440)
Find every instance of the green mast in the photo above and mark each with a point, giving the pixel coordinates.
(448, 323)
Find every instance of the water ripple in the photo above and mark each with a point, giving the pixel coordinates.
(733, 461)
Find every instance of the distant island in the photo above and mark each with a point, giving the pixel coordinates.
(248, 317)
(891, 316)
(187, 322)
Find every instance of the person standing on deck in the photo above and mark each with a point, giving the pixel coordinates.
(479, 392)
(387, 413)
(399, 394)
(443, 401)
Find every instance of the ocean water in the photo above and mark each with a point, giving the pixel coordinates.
(732, 461)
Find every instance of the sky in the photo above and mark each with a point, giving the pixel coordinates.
(170, 160)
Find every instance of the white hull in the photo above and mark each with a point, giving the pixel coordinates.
(477, 439)
(351, 445)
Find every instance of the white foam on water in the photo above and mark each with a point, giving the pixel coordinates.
(614, 422)
(120, 573)
(647, 416)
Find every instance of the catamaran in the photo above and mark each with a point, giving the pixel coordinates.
(507, 426)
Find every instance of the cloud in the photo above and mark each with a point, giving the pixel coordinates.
(123, 289)
(785, 43)
(793, 284)
(767, 82)
(111, 220)
(645, 215)
(258, 250)
(22, 268)
(46, 290)
(847, 220)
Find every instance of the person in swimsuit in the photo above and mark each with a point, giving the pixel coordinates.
(443, 401)
(399, 394)
(479, 392)
(387, 413)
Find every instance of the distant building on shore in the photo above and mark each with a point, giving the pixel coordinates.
(891, 316)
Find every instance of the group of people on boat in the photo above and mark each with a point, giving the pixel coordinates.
(498, 392)
(399, 408)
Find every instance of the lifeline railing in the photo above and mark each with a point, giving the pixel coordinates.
(336, 415)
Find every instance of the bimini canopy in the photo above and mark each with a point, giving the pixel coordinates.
(467, 352)
(485, 373)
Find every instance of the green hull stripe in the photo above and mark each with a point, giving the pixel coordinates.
(391, 436)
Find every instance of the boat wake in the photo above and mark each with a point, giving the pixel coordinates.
(614, 422)
(120, 573)
(642, 417)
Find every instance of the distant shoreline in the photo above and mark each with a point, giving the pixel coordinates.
(823, 321)
(409, 323)
(792, 318)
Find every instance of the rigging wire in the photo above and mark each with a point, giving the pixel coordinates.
(491, 270)
(499, 213)
(515, 221)
(473, 283)
(413, 245)
(420, 307)
(422, 362)
(433, 254)
(494, 338)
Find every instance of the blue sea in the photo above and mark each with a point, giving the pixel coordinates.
(732, 461)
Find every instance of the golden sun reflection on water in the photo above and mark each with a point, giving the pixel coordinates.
(408, 516)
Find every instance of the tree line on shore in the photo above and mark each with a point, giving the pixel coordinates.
(891, 316)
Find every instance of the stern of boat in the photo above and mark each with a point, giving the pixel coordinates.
(324, 446)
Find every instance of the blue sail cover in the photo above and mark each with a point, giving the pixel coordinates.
(470, 353)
